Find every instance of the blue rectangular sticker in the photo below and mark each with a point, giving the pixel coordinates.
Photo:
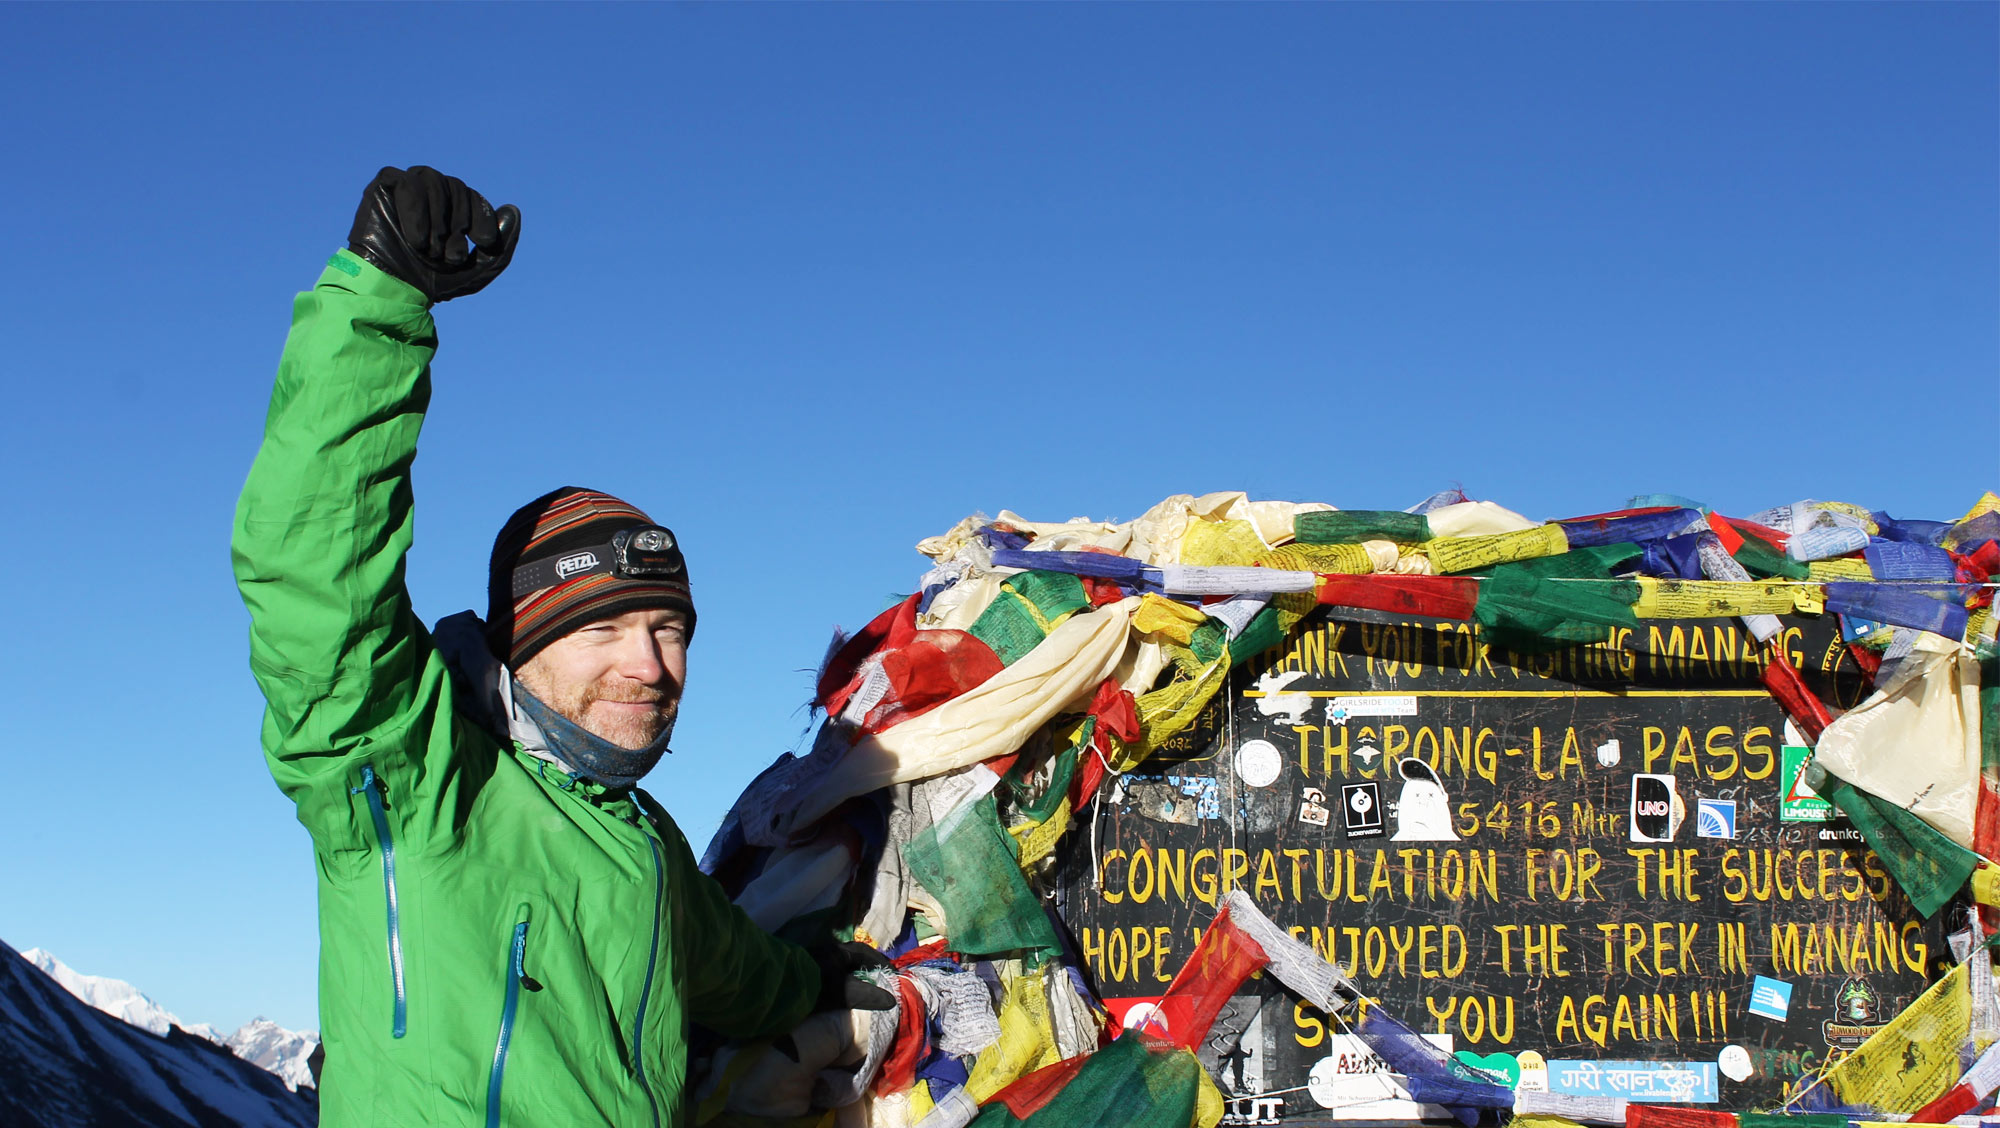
(1660, 1082)
(1770, 998)
(1715, 818)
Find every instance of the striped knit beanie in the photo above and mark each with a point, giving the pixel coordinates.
(519, 625)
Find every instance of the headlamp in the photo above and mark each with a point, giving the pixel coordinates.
(647, 552)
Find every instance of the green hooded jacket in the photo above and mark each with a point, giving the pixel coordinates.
(500, 943)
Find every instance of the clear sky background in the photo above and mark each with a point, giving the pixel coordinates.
(812, 283)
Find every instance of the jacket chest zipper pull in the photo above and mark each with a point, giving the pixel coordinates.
(517, 978)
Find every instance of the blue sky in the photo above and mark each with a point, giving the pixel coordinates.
(812, 283)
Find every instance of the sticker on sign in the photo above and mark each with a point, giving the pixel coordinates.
(1657, 809)
(1352, 1083)
(1799, 802)
(1653, 1082)
(1770, 998)
(1341, 709)
(1258, 763)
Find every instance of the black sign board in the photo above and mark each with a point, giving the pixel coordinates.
(1590, 870)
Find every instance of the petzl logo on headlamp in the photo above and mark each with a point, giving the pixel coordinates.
(575, 562)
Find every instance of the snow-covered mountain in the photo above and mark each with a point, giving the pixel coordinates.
(115, 997)
(65, 1064)
(260, 1042)
(267, 1045)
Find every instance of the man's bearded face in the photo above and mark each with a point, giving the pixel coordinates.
(618, 679)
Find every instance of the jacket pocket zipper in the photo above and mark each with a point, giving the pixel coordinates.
(517, 974)
(373, 790)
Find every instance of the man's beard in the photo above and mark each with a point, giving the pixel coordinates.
(627, 729)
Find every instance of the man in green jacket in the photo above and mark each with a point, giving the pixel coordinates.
(510, 931)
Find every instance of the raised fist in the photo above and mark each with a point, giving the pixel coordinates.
(415, 223)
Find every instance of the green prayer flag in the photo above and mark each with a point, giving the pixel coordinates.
(1929, 866)
(1018, 618)
(1989, 715)
(1352, 526)
(1780, 1120)
(1556, 601)
(1763, 561)
(971, 866)
(1131, 1083)
(1261, 633)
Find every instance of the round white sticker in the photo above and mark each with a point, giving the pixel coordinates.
(1734, 1061)
(1259, 763)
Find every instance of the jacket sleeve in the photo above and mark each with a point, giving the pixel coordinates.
(348, 673)
(742, 982)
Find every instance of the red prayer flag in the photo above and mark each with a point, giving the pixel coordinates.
(1442, 597)
(1115, 710)
(1117, 715)
(1225, 958)
(1026, 1096)
(925, 671)
(1986, 560)
(1958, 1099)
(1790, 690)
(1978, 568)
(1101, 591)
(1676, 1116)
(930, 951)
(1764, 533)
(1986, 819)
(1725, 532)
(1867, 659)
(1090, 774)
(837, 678)
(899, 1069)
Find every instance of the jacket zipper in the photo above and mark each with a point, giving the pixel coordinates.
(646, 991)
(517, 974)
(373, 791)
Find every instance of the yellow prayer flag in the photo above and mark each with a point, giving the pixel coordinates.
(1986, 885)
(1027, 1037)
(1987, 503)
(1210, 543)
(1158, 614)
(1209, 1107)
(1463, 554)
(1037, 839)
(1711, 599)
(1840, 568)
(1913, 1060)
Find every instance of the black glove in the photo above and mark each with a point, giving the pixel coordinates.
(414, 224)
(838, 988)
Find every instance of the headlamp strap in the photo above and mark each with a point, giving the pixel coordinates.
(644, 553)
(552, 570)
